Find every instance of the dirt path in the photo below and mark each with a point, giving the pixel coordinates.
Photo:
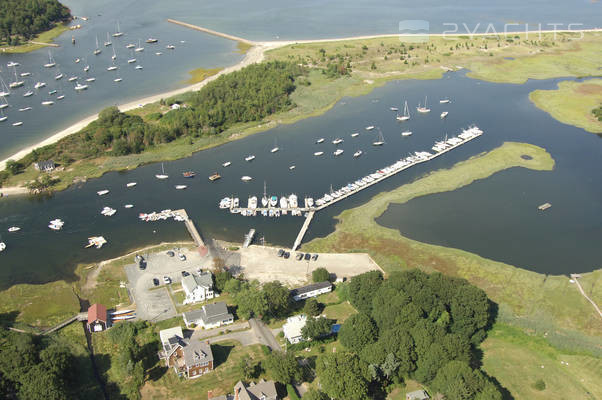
(575, 278)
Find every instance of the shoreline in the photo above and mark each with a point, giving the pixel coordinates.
(255, 54)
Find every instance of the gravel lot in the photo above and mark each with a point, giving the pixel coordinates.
(154, 303)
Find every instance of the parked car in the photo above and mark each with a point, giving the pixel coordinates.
(299, 256)
(314, 257)
(155, 282)
(182, 257)
(286, 254)
(184, 273)
(307, 256)
(142, 264)
(171, 253)
(280, 253)
(166, 280)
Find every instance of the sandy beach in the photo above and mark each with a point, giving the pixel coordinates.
(254, 55)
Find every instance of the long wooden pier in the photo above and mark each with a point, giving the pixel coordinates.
(310, 216)
(211, 32)
(196, 236)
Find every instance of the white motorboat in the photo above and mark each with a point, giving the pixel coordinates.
(406, 133)
(393, 108)
(369, 128)
(226, 164)
(117, 80)
(170, 47)
(96, 241)
(86, 68)
(39, 85)
(102, 192)
(444, 114)
(444, 101)
(17, 123)
(423, 109)
(80, 87)
(128, 206)
(77, 60)
(108, 211)
(357, 153)
(47, 103)
(321, 140)
(11, 64)
(3, 117)
(14, 229)
(292, 167)
(131, 184)
(275, 149)
(139, 67)
(246, 178)
(249, 158)
(318, 153)
(406, 113)
(162, 175)
(158, 53)
(337, 141)
(355, 134)
(338, 152)
(181, 187)
(151, 40)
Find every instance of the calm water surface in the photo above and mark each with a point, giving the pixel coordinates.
(495, 218)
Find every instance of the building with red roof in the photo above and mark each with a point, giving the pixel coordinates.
(97, 318)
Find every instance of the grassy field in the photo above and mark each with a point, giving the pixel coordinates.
(572, 103)
(45, 37)
(339, 312)
(200, 74)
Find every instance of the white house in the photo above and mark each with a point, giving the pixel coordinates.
(292, 328)
(198, 288)
(209, 316)
(313, 290)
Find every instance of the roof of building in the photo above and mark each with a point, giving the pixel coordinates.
(293, 326)
(45, 164)
(210, 313)
(196, 351)
(97, 312)
(311, 288)
(167, 334)
(204, 279)
(256, 391)
(417, 395)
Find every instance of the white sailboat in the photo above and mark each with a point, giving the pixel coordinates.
(162, 175)
(2, 116)
(50, 62)
(16, 83)
(114, 56)
(381, 139)
(264, 200)
(97, 51)
(118, 32)
(139, 48)
(250, 157)
(108, 42)
(406, 133)
(406, 113)
(4, 90)
(3, 104)
(444, 101)
(226, 164)
(424, 109)
(113, 67)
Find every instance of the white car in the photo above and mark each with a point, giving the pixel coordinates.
(166, 280)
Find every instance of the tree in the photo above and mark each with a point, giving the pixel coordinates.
(283, 367)
(357, 332)
(320, 275)
(14, 167)
(246, 367)
(316, 328)
(311, 307)
(221, 279)
(343, 376)
(277, 298)
(362, 288)
(457, 381)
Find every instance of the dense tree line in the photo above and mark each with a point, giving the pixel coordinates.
(35, 368)
(23, 19)
(411, 325)
(250, 94)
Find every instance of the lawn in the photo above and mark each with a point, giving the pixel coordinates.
(572, 103)
(339, 312)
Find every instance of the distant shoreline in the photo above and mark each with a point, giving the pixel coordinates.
(254, 55)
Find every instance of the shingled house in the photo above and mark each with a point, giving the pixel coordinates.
(262, 390)
(189, 358)
(209, 316)
(198, 287)
(44, 166)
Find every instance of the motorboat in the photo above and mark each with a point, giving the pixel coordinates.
(130, 46)
(338, 152)
(246, 178)
(170, 47)
(25, 109)
(72, 78)
(102, 192)
(444, 114)
(139, 67)
(337, 141)
(131, 184)
(52, 92)
(249, 158)
(11, 64)
(28, 93)
(17, 123)
(131, 60)
(444, 101)
(96, 241)
(108, 211)
(357, 153)
(321, 140)
(80, 87)
(91, 79)
(25, 74)
(226, 164)
(128, 206)
(355, 134)
(369, 128)
(14, 229)
(215, 177)
(60, 97)
(152, 40)
(181, 187)
(393, 108)
(2, 246)
(189, 174)
(39, 85)
(292, 167)
(47, 103)
(117, 80)
(406, 133)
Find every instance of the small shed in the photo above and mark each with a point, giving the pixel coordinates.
(417, 395)
(97, 318)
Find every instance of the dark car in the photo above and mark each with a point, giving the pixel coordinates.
(299, 256)
(171, 253)
(307, 256)
(286, 254)
(155, 282)
(314, 257)
(142, 264)
(184, 273)
(280, 253)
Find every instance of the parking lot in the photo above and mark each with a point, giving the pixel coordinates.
(154, 303)
(263, 264)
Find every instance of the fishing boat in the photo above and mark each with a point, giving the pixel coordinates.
(118, 32)
(80, 87)
(108, 41)
(97, 51)
(318, 153)
(226, 164)
(50, 62)
(423, 109)
(188, 174)
(47, 103)
(444, 114)
(338, 152)
(249, 157)
(321, 140)
(355, 134)
(406, 113)
(214, 177)
(102, 192)
(17, 123)
(96, 241)
(162, 174)
(131, 184)
(152, 40)
(369, 128)
(444, 101)
(245, 178)
(181, 187)
(381, 139)
(14, 229)
(357, 153)
(406, 133)
(337, 141)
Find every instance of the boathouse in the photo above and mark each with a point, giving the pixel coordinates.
(97, 318)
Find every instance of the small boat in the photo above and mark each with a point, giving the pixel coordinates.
(444, 101)
(2, 246)
(108, 41)
(444, 114)
(117, 80)
(4, 105)
(128, 206)
(72, 78)
(321, 140)
(249, 158)
(39, 85)
(337, 141)
(369, 128)
(52, 92)
(86, 68)
(381, 139)
(355, 134)
(3, 117)
(423, 109)
(158, 53)
(170, 47)
(318, 153)
(77, 60)
(118, 32)
(152, 40)
(131, 60)
(28, 93)
(24, 74)
(91, 79)
(108, 211)
(226, 164)
(162, 174)
(60, 97)
(357, 153)
(96, 241)
(188, 174)
(246, 178)
(292, 167)
(102, 192)
(114, 56)
(79, 87)
(138, 67)
(59, 76)
(97, 51)
(338, 152)
(406, 113)
(112, 68)
(14, 229)
(393, 108)
(139, 48)
(17, 123)
(181, 187)
(130, 46)
(275, 148)
(25, 109)
(11, 64)
(214, 177)
(182, 41)
(131, 184)
(406, 133)
(50, 62)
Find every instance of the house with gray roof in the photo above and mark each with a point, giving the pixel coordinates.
(209, 316)
(313, 290)
(417, 395)
(189, 358)
(198, 287)
(44, 166)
